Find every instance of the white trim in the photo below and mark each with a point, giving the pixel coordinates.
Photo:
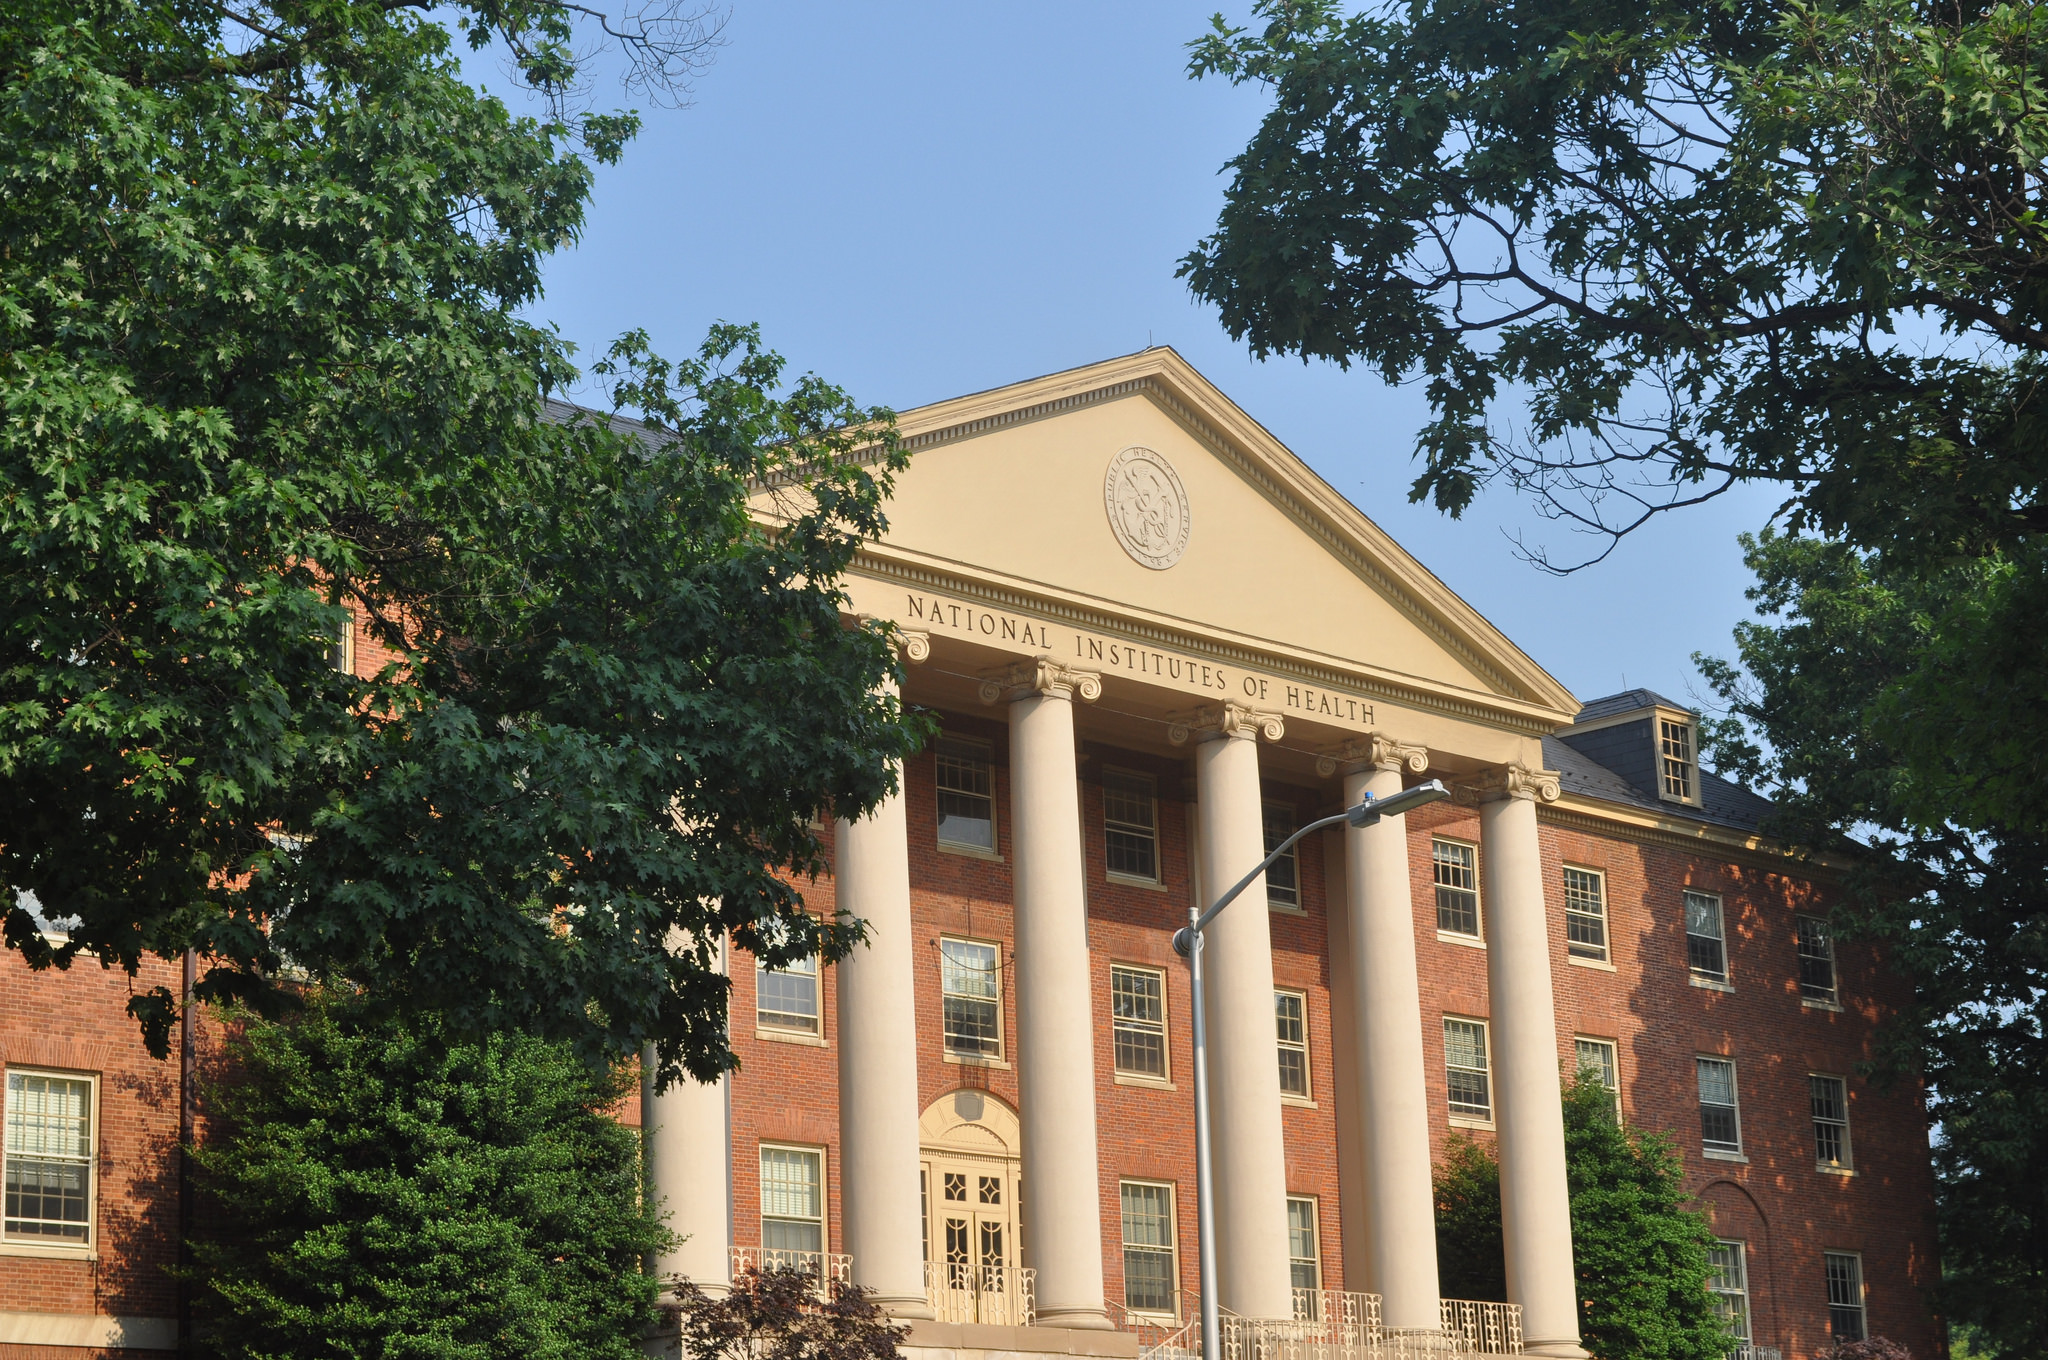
(1172, 1237)
(1478, 899)
(89, 1329)
(88, 1250)
(1307, 1095)
(993, 851)
(1158, 878)
(1164, 1077)
(1002, 1036)
(824, 1219)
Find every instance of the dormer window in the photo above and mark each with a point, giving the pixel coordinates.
(1675, 748)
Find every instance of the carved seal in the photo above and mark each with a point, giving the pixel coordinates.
(1148, 507)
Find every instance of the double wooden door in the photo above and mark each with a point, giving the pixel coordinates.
(971, 1238)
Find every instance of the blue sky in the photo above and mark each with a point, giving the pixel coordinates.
(918, 201)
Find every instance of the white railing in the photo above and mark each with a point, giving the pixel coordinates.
(1756, 1353)
(829, 1266)
(1486, 1328)
(1334, 1324)
(1002, 1296)
(1162, 1336)
(1346, 1318)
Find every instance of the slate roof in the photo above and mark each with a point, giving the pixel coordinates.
(1628, 701)
(1723, 802)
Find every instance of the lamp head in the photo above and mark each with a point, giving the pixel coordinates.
(1393, 805)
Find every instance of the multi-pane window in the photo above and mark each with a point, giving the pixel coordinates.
(971, 993)
(787, 997)
(1728, 1282)
(49, 1159)
(1706, 951)
(967, 806)
(1304, 1256)
(1466, 1075)
(1599, 1058)
(1283, 875)
(1457, 886)
(1130, 825)
(1845, 1295)
(792, 1199)
(1816, 959)
(1290, 1011)
(1150, 1275)
(1830, 1097)
(1585, 914)
(1720, 1121)
(1137, 1008)
(1675, 752)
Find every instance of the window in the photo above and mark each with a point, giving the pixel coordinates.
(1457, 887)
(1150, 1276)
(1290, 1009)
(1130, 825)
(971, 992)
(49, 1159)
(1675, 746)
(1845, 1295)
(1704, 950)
(1585, 914)
(967, 806)
(1304, 1256)
(1465, 1070)
(792, 1199)
(1283, 876)
(1600, 1058)
(787, 998)
(1137, 1009)
(1728, 1282)
(1830, 1120)
(342, 655)
(1816, 959)
(1720, 1122)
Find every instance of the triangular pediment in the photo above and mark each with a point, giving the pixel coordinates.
(1011, 488)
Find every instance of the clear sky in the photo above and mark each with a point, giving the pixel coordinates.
(918, 201)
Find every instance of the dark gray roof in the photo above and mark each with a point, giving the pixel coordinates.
(1724, 802)
(1628, 701)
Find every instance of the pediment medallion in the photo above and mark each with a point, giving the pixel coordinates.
(1148, 507)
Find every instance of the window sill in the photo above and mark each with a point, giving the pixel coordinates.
(790, 1036)
(1148, 1083)
(1285, 908)
(1466, 1121)
(1827, 1170)
(1299, 1102)
(49, 1253)
(967, 1060)
(1469, 941)
(1716, 1155)
(1709, 984)
(1809, 1003)
(1133, 881)
(1601, 964)
(969, 852)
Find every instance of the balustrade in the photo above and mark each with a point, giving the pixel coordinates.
(828, 1266)
(1002, 1296)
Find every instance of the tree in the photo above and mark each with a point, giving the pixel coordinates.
(780, 1315)
(1641, 1254)
(374, 1189)
(1886, 708)
(264, 366)
(1683, 237)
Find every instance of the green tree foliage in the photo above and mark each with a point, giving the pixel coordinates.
(1679, 235)
(1641, 1254)
(264, 362)
(375, 1190)
(1895, 709)
(779, 1315)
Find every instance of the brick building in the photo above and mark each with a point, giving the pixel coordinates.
(1156, 644)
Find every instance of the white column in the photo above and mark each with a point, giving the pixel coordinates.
(880, 1204)
(1387, 1071)
(1536, 1217)
(1354, 1201)
(1249, 1156)
(686, 1138)
(1055, 1006)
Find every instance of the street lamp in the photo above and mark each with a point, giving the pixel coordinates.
(1186, 943)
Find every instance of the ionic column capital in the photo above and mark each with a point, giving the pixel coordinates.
(1040, 676)
(913, 647)
(1375, 751)
(1226, 720)
(1513, 780)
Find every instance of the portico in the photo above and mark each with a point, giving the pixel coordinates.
(1115, 581)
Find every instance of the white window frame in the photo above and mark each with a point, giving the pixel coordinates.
(1574, 906)
(1610, 1070)
(945, 1043)
(1477, 935)
(1699, 976)
(1847, 1161)
(1731, 1297)
(1270, 810)
(824, 1218)
(776, 1029)
(1682, 768)
(1861, 1307)
(39, 1244)
(1307, 1094)
(1117, 773)
(1171, 1250)
(1719, 1150)
(983, 754)
(1832, 996)
(1119, 1023)
(1464, 1119)
(1307, 1304)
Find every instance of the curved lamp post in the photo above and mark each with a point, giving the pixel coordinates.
(1186, 943)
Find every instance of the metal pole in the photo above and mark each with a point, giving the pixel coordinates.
(1205, 1201)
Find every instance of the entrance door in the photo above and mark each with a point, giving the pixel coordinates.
(973, 1237)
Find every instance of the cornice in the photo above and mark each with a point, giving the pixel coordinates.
(1601, 817)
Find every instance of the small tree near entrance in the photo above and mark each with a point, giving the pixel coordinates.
(785, 1315)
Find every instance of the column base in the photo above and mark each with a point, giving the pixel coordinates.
(1567, 1348)
(1077, 1319)
(978, 1341)
(904, 1307)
